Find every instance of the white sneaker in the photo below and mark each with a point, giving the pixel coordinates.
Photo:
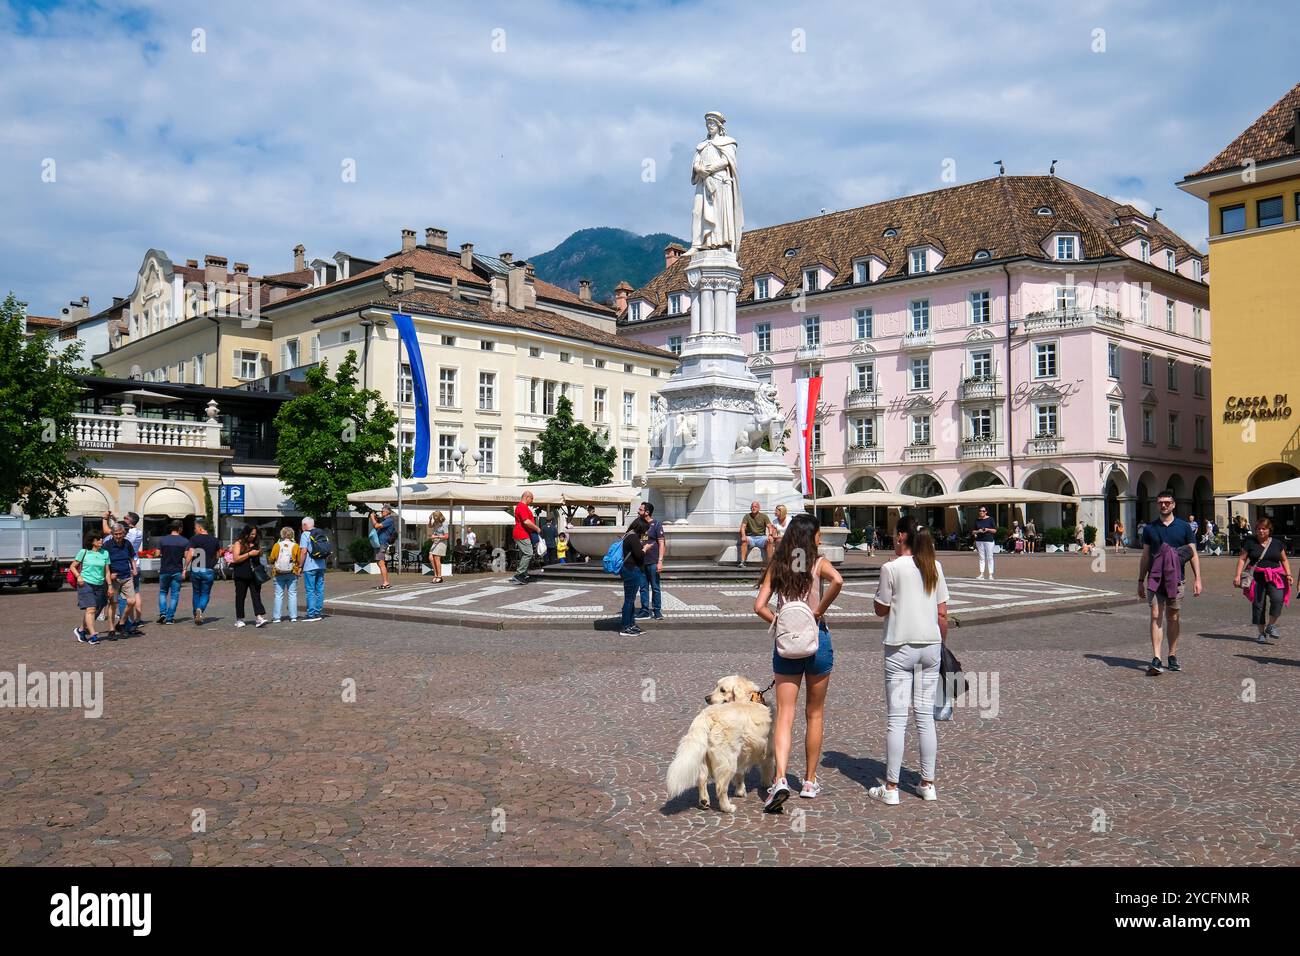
(928, 791)
(241, 624)
(884, 795)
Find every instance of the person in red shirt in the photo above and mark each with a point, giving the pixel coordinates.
(525, 529)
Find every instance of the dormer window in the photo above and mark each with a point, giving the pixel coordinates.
(1044, 211)
(675, 303)
(890, 232)
(1170, 260)
(811, 280)
(1196, 269)
(634, 312)
(761, 290)
(982, 254)
(917, 262)
(861, 271)
(1144, 249)
(1066, 247)
(792, 252)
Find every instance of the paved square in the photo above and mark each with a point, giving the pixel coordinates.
(466, 745)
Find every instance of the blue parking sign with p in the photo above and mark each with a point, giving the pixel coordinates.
(230, 499)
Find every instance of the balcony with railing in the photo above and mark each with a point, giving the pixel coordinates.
(922, 339)
(918, 453)
(103, 431)
(1045, 444)
(863, 399)
(1056, 320)
(981, 388)
(862, 455)
(980, 448)
(810, 353)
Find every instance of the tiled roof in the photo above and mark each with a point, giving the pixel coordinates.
(999, 215)
(478, 308)
(44, 322)
(442, 265)
(300, 279)
(1272, 136)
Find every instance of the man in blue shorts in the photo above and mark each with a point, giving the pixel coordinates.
(1178, 534)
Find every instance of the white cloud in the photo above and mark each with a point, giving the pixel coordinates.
(237, 151)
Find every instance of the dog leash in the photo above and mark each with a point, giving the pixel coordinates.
(757, 696)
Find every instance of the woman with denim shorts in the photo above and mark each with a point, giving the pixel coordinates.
(797, 572)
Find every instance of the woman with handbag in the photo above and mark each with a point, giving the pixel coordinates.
(913, 599)
(1270, 582)
(798, 574)
(249, 574)
(439, 534)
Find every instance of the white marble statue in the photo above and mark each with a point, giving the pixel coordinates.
(718, 218)
(688, 430)
(658, 425)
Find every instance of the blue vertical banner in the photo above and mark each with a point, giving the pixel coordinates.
(406, 329)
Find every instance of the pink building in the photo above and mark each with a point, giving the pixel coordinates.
(1019, 330)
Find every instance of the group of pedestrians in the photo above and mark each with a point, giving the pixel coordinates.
(106, 572)
(912, 597)
(644, 549)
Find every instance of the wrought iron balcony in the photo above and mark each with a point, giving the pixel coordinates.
(810, 353)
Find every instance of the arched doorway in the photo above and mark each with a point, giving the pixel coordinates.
(1182, 498)
(867, 518)
(1145, 494)
(924, 485)
(1203, 501)
(1285, 518)
(981, 479)
(1054, 481)
(1115, 489)
(824, 515)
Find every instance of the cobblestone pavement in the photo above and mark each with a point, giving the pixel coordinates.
(225, 746)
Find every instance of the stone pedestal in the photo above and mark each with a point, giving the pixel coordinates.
(707, 465)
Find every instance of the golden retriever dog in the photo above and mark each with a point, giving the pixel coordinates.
(730, 735)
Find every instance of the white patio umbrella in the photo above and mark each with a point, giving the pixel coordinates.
(873, 499)
(1283, 493)
(998, 495)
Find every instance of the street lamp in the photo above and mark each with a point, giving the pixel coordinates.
(463, 458)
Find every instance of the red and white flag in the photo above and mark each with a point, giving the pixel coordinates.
(807, 393)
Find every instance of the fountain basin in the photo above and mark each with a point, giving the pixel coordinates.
(695, 542)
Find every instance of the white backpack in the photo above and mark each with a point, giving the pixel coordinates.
(795, 628)
(284, 558)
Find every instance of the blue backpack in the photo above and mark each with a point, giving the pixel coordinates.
(613, 560)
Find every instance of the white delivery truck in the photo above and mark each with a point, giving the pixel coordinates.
(38, 551)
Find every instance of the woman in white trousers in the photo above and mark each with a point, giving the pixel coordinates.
(913, 599)
(986, 531)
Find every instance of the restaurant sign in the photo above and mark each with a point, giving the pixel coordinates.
(1256, 407)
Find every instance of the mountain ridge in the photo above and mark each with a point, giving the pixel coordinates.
(607, 256)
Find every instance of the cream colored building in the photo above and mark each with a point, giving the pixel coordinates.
(499, 346)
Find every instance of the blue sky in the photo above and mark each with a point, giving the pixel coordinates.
(513, 124)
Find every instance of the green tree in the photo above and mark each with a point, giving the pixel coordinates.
(334, 440)
(38, 395)
(570, 451)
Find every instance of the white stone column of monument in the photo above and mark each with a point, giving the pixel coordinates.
(706, 306)
(721, 320)
(695, 313)
(732, 290)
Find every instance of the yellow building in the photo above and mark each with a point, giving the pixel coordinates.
(1253, 191)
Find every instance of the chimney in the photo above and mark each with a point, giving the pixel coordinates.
(408, 240)
(584, 290)
(672, 252)
(467, 256)
(516, 284)
(214, 268)
(507, 257)
(77, 309)
(620, 297)
(241, 268)
(436, 238)
(278, 292)
(455, 288)
(408, 279)
(300, 258)
(118, 300)
(192, 263)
